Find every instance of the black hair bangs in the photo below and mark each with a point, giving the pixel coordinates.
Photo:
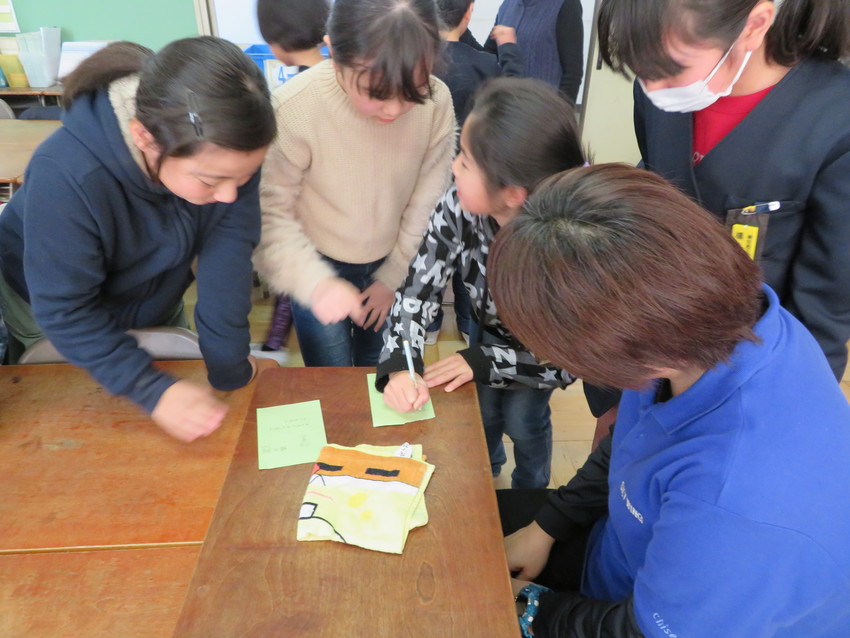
(632, 35)
(400, 66)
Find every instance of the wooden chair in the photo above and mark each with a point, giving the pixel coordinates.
(169, 344)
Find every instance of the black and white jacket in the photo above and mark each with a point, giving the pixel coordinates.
(458, 240)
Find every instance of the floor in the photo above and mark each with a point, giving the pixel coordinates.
(572, 423)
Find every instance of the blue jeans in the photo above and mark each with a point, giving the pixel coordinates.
(462, 305)
(524, 415)
(344, 343)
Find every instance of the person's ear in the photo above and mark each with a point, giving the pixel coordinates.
(468, 15)
(514, 196)
(327, 41)
(143, 139)
(758, 23)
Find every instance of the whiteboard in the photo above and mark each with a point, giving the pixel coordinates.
(236, 20)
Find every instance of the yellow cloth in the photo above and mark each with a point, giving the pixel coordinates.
(365, 496)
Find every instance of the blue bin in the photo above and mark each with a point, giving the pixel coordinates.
(259, 53)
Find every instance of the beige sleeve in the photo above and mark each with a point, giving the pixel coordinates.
(434, 174)
(286, 258)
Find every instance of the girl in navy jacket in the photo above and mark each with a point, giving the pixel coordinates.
(155, 168)
(744, 106)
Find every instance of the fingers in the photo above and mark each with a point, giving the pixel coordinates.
(453, 370)
(401, 395)
(381, 319)
(458, 381)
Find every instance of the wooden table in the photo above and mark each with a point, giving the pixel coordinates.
(254, 579)
(18, 141)
(20, 97)
(102, 514)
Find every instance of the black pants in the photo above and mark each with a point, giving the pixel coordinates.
(563, 571)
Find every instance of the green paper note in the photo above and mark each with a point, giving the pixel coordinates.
(382, 414)
(290, 434)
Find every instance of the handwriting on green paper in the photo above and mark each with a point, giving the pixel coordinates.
(290, 434)
(382, 414)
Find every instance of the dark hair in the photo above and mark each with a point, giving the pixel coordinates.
(520, 131)
(98, 71)
(193, 92)
(452, 11)
(395, 42)
(632, 32)
(293, 25)
(611, 272)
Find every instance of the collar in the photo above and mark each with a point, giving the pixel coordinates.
(122, 97)
(716, 385)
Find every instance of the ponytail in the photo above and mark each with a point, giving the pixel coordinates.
(809, 28)
(99, 70)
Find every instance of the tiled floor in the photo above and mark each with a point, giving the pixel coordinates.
(573, 425)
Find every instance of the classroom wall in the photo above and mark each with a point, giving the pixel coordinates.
(152, 23)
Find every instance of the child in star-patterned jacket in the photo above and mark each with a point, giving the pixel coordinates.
(518, 133)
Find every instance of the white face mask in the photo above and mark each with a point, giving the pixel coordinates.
(696, 96)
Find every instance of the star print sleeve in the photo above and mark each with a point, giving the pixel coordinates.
(500, 365)
(418, 299)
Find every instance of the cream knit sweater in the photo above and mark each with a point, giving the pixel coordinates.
(339, 184)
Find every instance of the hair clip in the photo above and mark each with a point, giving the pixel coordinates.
(194, 116)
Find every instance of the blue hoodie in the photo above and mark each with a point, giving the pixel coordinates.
(97, 248)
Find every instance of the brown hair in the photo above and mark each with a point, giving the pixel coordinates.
(394, 42)
(632, 32)
(610, 272)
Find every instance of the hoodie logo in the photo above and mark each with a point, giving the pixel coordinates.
(629, 505)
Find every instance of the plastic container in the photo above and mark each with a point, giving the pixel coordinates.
(39, 53)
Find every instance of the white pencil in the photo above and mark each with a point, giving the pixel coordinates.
(409, 358)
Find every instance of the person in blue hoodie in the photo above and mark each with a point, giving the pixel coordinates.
(155, 169)
(719, 508)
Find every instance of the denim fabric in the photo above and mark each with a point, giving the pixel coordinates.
(524, 415)
(462, 306)
(340, 344)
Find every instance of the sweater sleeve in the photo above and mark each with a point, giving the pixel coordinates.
(65, 271)
(582, 501)
(510, 60)
(224, 276)
(418, 298)
(569, 32)
(286, 258)
(434, 172)
(500, 365)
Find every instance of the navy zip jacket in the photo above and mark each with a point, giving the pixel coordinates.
(97, 248)
(792, 148)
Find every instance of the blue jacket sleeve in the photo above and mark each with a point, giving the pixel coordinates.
(65, 269)
(224, 277)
